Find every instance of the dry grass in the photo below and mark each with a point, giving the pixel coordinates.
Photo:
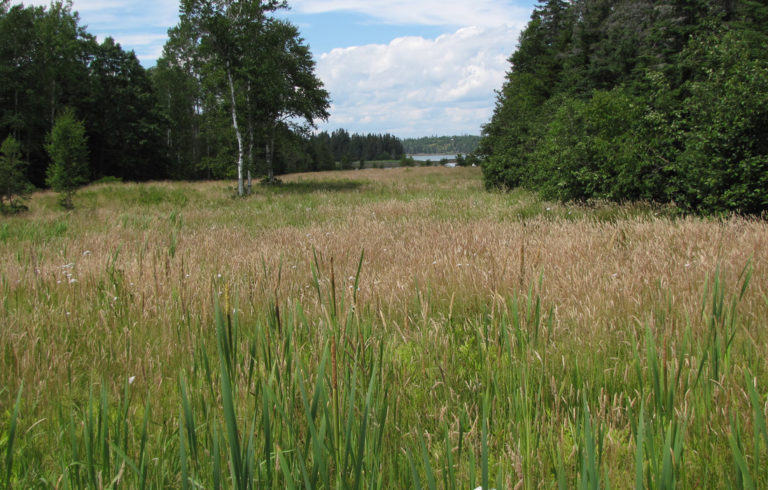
(123, 287)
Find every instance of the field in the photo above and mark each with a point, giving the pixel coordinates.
(379, 329)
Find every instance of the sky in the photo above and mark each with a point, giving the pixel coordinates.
(406, 67)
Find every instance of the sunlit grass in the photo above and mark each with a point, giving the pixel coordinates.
(172, 335)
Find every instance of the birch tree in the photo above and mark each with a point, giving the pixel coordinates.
(257, 66)
(289, 93)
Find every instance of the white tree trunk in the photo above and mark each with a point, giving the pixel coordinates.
(240, 189)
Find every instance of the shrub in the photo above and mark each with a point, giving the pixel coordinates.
(724, 165)
(594, 149)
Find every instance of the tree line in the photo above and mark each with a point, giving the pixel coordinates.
(50, 64)
(348, 149)
(234, 92)
(658, 100)
(447, 145)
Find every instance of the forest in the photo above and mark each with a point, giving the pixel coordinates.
(637, 100)
(190, 117)
(448, 145)
(393, 328)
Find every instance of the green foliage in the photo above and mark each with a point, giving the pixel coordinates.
(49, 62)
(595, 149)
(441, 144)
(14, 186)
(343, 147)
(628, 100)
(69, 155)
(724, 164)
(123, 119)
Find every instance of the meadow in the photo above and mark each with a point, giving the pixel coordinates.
(398, 328)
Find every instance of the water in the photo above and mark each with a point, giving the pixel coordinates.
(434, 158)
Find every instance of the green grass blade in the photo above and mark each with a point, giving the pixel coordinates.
(12, 438)
(734, 441)
(289, 481)
(757, 411)
(357, 277)
(484, 442)
(639, 450)
(229, 410)
(189, 421)
(362, 436)
(267, 431)
(183, 452)
(216, 457)
(143, 447)
(431, 483)
(415, 479)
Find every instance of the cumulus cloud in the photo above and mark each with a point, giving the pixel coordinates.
(415, 86)
(411, 86)
(425, 12)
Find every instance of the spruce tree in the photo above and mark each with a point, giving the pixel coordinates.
(68, 150)
(14, 186)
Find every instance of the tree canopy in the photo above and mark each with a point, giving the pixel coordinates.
(227, 68)
(660, 100)
(49, 62)
(233, 58)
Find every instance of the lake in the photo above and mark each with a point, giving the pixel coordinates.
(434, 158)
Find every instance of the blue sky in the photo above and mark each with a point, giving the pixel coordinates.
(410, 68)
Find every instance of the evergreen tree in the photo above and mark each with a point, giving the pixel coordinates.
(123, 117)
(14, 186)
(636, 99)
(68, 150)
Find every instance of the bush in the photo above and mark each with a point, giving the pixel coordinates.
(724, 165)
(594, 149)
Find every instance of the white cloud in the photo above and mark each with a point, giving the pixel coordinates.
(411, 86)
(416, 86)
(425, 12)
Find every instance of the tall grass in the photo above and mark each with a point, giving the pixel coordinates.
(220, 349)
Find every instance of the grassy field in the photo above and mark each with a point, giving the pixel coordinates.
(379, 329)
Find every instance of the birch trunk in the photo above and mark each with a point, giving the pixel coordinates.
(240, 189)
(251, 136)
